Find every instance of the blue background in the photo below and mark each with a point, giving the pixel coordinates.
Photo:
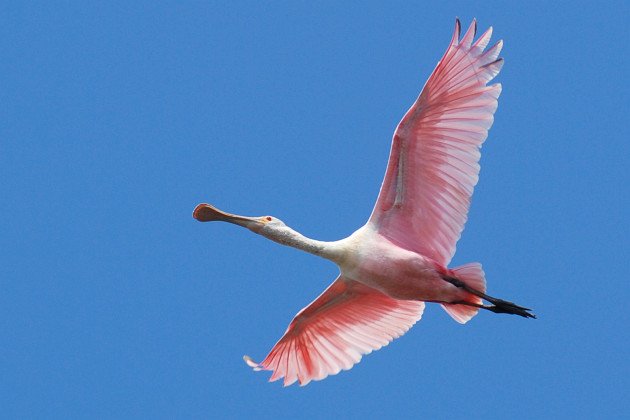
(117, 119)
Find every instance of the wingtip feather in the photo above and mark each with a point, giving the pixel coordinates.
(456, 32)
(251, 363)
(466, 41)
(483, 40)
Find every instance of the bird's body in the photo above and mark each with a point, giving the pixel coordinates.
(398, 260)
(373, 260)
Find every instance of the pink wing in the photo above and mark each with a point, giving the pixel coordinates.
(345, 322)
(433, 165)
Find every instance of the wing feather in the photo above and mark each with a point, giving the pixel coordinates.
(331, 334)
(434, 161)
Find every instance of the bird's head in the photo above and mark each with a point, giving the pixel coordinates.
(261, 225)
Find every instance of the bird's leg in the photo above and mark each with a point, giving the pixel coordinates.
(498, 306)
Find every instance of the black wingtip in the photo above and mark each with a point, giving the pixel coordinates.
(498, 60)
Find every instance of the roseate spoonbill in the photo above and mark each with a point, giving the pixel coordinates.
(398, 260)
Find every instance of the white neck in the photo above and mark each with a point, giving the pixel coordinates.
(286, 236)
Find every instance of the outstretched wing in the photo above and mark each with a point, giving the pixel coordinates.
(345, 322)
(433, 165)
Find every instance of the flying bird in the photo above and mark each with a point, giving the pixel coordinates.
(398, 260)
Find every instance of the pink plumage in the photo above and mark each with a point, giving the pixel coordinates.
(398, 260)
(331, 334)
(433, 165)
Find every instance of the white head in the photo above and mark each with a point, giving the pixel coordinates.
(271, 228)
(263, 225)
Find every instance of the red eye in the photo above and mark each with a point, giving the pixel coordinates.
(268, 218)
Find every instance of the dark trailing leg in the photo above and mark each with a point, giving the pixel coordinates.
(499, 306)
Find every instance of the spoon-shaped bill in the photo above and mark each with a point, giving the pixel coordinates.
(208, 213)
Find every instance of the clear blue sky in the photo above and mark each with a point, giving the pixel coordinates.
(116, 120)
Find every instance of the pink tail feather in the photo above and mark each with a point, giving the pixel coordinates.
(472, 274)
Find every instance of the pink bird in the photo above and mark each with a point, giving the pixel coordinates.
(398, 260)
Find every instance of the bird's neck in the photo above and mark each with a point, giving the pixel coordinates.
(289, 237)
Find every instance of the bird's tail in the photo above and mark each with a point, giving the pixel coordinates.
(473, 276)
